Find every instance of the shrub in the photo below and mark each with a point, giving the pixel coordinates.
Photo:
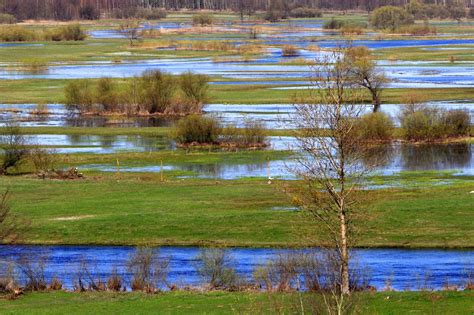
(289, 51)
(274, 15)
(157, 90)
(203, 19)
(7, 18)
(34, 271)
(195, 88)
(43, 159)
(390, 17)
(305, 12)
(253, 133)
(106, 95)
(375, 127)
(417, 30)
(471, 13)
(457, 122)
(333, 24)
(79, 95)
(88, 12)
(348, 29)
(148, 270)
(197, 129)
(13, 143)
(68, 33)
(215, 266)
(35, 66)
(429, 124)
(16, 34)
(151, 14)
(55, 284)
(114, 282)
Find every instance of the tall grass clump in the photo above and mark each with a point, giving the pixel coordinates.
(196, 129)
(35, 66)
(417, 30)
(333, 24)
(203, 19)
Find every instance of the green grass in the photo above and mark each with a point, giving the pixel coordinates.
(52, 91)
(139, 209)
(233, 303)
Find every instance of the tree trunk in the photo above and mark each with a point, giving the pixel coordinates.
(375, 101)
(344, 253)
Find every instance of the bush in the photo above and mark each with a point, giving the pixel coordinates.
(13, 143)
(417, 30)
(333, 24)
(114, 282)
(43, 159)
(148, 270)
(457, 122)
(157, 90)
(375, 127)
(106, 95)
(151, 14)
(253, 133)
(471, 13)
(274, 15)
(305, 12)
(390, 17)
(430, 124)
(88, 12)
(289, 51)
(66, 33)
(7, 19)
(79, 95)
(203, 19)
(215, 267)
(197, 129)
(195, 88)
(16, 34)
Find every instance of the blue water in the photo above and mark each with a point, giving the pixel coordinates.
(406, 268)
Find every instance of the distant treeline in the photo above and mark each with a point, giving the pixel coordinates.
(93, 9)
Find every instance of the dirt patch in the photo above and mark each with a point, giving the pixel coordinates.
(73, 218)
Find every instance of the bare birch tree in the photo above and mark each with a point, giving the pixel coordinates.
(331, 157)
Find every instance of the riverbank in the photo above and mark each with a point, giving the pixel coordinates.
(231, 303)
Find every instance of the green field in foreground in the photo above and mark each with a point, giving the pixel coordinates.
(458, 303)
(32, 91)
(139, 209)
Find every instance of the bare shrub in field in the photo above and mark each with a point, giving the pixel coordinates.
(80, 95)
(157, 91)
(106, 95)
(149, 270)
(55, 284)
(43, 159)
(33, 268)
(85, 280)
(215, 266)
(115, 281)
(13, 143)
